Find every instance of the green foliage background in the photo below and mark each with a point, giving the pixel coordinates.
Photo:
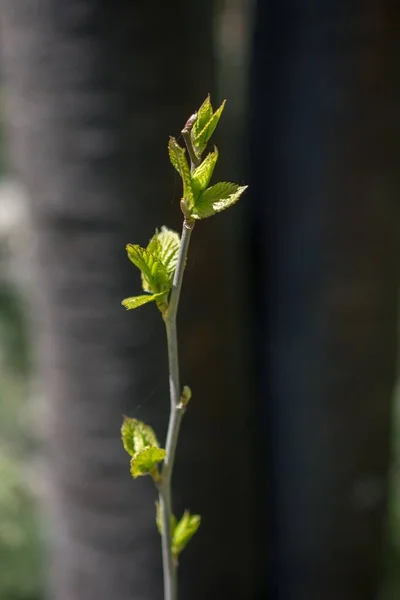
(20, 544)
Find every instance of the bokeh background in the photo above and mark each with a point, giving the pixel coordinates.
(289, 311)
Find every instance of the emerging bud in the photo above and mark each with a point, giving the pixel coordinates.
(189, 123)
(186, 395)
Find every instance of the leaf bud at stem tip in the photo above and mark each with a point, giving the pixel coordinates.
(189, 123)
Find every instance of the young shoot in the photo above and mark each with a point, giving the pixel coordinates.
(162, 265)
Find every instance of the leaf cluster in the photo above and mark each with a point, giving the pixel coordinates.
(140, 442)
(201, 201)
(157, 263)
(182, 531)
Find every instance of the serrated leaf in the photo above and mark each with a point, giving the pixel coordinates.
(127, 435)
(177, 156)
(155, 277)
(143, 436)
(201, 138)
(207, 131)
(136, 436)
(159, 520)
(164, 245)
(217, 198)
(204, 114)
(202, 175)
(146, 460)
(184, 531)
(137, 301)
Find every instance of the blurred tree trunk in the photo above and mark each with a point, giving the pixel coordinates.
(92, 92)
(325, 182)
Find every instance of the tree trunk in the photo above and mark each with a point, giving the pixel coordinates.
(325, 182)
(92, 92)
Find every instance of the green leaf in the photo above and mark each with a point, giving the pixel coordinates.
(201, 136)
(136, 301)
(177, 156)
(127, 429)
(146, 460)
(184, 531)
(204, 114)
(207, 131)
(159, 520)
(202, 175)
(164, 245)
(155, 277)
(140, 442)
(157, 264)
(136, 436)
(217, 198)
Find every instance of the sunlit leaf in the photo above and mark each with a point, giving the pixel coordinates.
(164, 245)
(136, 436)
(178, 159)
(146, 460)
(155, 277)
(201, 136)
(204, 114)
(202, 174)
(216, 199)
(137, 301)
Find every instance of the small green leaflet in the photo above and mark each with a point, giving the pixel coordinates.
(136, 435)
(205, 125)
(216, 199)
(140, 442)
(177, 156)
(154, 275)
(202, 174)
(136, 301)
(184, 531)
(204, 114)
(145, 461)
(157, 264)
(165, 245)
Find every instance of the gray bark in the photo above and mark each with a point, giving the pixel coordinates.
(92, 90)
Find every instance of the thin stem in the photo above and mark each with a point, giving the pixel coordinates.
(175, 418)
(169, 566)
(188, 226)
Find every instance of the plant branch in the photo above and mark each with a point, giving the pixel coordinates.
(175, 418)
(170, 315)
